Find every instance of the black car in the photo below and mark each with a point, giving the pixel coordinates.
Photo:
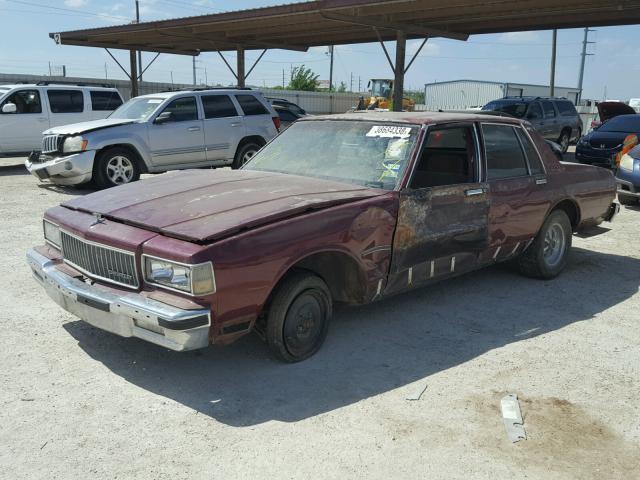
(288, 111)
(555, 118)
(600, 146)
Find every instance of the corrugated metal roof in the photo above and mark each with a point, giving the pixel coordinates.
(299, 26)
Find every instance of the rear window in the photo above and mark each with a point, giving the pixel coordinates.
(622, 123)
(566, 108)
(218, 106)
(505, 158)
(105, 101)
(251, 105)
(66, 101)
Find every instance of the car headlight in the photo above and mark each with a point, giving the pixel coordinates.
(193, 279)
(51, 233)
(583, 141)
(74, 144)
(626, 162)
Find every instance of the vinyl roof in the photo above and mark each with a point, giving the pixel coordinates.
(299, 26)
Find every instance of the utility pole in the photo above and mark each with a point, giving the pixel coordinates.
(584, 55)
(171, 79)
(106, 72)
(206, 79)
(351, 83)
(49, 69)
(139, 52)
(554, 43)
(283, 78)
(331, 68)
(359, 84)
(194, 70)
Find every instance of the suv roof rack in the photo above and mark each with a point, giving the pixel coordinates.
(202, 89)
(532, 97)
(75, 84)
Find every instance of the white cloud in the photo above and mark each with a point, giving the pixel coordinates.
(519, 37)
(75, 3)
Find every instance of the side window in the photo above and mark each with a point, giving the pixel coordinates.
(505, 158)
(182, 109)
(218, 106)
(530, 151)
(447, 158)
(26, 101)
(286, 116)
(549, 111)
(534, 112)
(66, 101)
(566, 108)
(105, 101)
(251, 105)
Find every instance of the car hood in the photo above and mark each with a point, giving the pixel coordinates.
(204, 205)
(608, 110)
(84, 127)
(605, 140)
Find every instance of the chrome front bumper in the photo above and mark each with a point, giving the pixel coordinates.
(126, 314)
(68, 170)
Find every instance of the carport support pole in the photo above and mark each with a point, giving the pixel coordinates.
(398, 83)
(240, 67)
(552, 89)
(133, 61)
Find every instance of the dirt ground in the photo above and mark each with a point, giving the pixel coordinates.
(77, 402)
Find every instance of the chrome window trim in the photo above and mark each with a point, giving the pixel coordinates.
(106, 247)
(191, 265)
(528, 135)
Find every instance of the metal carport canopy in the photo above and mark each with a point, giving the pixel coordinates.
(299, 26)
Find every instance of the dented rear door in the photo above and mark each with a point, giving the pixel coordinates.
(441, 231)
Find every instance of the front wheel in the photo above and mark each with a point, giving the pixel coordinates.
(547, 256)
(244, 154)
(627, 199)
(563, 141)
(298, 317)
(115, 166)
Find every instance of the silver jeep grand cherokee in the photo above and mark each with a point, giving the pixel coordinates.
(156, 133)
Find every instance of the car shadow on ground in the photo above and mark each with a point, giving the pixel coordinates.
(12, 170)
(71, 190)
(372, 349)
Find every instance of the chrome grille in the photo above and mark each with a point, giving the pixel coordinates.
(98, 261)
(50, 144)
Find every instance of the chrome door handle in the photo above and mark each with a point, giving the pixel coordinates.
(194, 129)
(474, 191)
(541, 181)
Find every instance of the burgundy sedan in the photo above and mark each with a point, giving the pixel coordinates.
(346, 208)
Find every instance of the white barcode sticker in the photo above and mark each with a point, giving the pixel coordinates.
(389, 131)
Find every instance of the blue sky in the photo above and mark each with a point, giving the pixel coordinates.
(515, 57)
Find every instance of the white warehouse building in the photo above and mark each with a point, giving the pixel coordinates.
(468, 94)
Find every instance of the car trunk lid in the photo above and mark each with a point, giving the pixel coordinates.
(204, 205)
(609, 110)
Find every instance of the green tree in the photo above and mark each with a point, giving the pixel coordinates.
(342, 88)
(303, 79)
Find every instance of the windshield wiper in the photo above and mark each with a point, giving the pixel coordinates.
(374, 184)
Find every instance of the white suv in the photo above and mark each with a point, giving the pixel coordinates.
(156, 133)
(28, 110)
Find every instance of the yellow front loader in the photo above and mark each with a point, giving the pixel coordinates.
(381, 97)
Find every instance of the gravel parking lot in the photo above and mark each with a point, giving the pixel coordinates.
(78, 402)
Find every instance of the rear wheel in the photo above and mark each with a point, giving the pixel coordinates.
(627, 199)
(563, 141)
(115, 166)
(547, 256)
(244, 154)
(298, 317)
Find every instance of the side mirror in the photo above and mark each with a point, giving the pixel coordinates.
(164, 117)
(9, 108)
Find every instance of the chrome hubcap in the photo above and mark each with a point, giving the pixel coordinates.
(554, 245)
(248, 156)
(120, 170)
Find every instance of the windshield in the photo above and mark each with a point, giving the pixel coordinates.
(517, 109)
(381, 88)
(137, 108)
(622, 123)
(362, 153)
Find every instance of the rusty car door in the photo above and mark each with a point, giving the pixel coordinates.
(442, 229)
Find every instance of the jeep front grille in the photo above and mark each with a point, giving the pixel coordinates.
(100, 261)
(50, 143)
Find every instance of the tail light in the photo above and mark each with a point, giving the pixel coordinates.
(595, 124)
(276, 122)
